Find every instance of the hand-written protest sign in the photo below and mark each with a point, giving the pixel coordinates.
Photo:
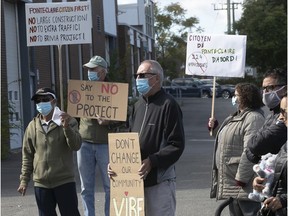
(106, 99)
(216, 55)
(58, 23)
(126, 189)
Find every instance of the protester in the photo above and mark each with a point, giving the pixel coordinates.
(94, 149)
(277, 203)
(157, 118)
(48, 145)
(232, 173)
(273, 134)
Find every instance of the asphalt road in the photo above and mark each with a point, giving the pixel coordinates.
(193, 168)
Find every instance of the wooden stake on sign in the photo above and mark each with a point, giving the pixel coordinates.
(60, 76)
(213, 102)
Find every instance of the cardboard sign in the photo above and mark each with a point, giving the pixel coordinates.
(216, 55)
(58, 23)
(126, 189)
(91, 99)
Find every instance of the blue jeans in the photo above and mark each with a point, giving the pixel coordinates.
(88, 157)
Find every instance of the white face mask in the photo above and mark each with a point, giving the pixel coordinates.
(234, 101)
(271, 99)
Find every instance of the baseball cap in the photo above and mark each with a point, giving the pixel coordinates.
(96, 61)
(43, 92)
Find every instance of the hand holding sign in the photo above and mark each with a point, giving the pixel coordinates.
(127, 187)
(98, 100)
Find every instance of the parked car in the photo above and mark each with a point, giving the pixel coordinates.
(190, 87)
(227, 89)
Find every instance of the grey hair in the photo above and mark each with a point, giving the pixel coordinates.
(156, 68)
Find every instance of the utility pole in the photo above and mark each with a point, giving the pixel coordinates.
(228, 8)
(228, 18)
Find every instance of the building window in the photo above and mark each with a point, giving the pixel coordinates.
(15, 95)
(10, 95)
(16, 116)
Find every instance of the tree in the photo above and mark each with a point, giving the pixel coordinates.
(265, 24)
(171, 29)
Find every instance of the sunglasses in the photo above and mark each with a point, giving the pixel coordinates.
(143, 75)
(43, 99)
(270, 87)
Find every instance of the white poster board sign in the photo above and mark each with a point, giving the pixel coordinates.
(216, 55)
(58, 23)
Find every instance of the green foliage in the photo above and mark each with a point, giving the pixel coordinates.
(265, 24)
(7, 108)
(171, 29)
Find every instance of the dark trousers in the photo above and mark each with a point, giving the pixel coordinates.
(65, 196)
(244, 207)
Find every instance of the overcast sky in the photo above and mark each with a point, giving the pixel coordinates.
(213, 21)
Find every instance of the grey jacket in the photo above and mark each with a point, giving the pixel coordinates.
(230, 163)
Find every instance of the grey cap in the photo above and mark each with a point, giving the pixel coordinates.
(96, 61)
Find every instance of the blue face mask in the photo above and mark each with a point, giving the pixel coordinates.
(234, 101)
(93, 76)
(143, 86)
(44, 108)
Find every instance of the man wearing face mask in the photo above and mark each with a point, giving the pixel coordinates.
(157, 117)
(273, 134)
(94, 149)
(47, 153)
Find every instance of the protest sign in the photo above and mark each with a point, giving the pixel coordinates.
(216, 55)
(126, 189)
(91, 99)
(58, 23)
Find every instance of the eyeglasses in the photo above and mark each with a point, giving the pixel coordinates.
(43, 99)
(270, 87)
(283, 112)
(143, 75)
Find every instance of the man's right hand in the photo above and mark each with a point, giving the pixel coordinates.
(110, 173)
(22, 189)
(258, 184)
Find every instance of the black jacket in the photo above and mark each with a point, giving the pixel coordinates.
(280, 180)
(270, 138)
(158, 120)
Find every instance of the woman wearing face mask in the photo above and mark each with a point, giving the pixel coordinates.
(48, 145)
(232, 173)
